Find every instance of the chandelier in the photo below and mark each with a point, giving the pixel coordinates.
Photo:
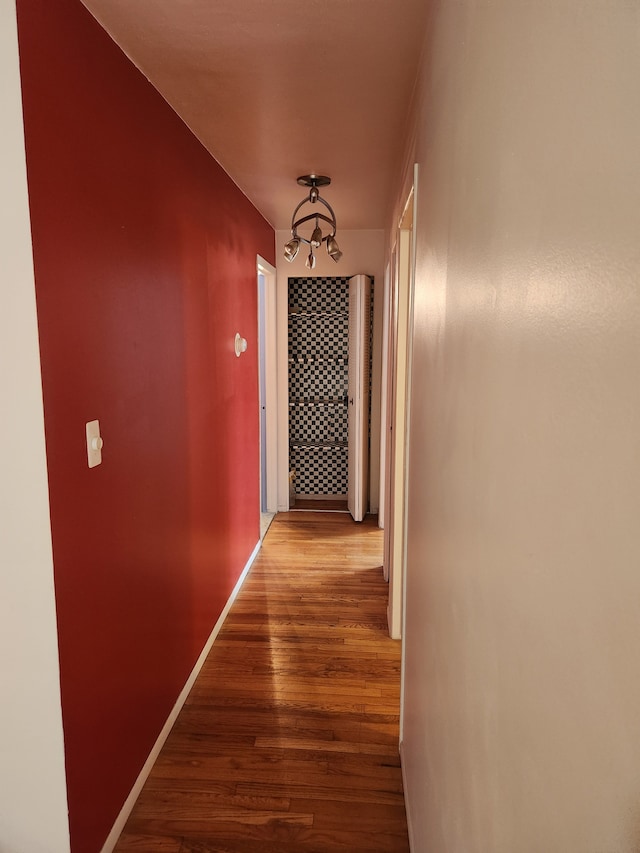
(316, 238)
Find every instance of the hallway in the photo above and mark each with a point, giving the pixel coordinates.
(289, 739)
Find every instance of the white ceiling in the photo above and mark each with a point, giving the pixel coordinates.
(279, 88)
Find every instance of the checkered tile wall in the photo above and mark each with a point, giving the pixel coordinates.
(317, 423)
(318, 380)
(319, 294)
(318, 335)
(320, 470)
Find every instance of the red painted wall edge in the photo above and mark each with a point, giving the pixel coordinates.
(145, 255)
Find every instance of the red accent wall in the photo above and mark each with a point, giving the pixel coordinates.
(145, 261)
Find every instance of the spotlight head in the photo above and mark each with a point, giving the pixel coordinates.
(291, 249)
(333, 250)
(310, 263)
(316, 237)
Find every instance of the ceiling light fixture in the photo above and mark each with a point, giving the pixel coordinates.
(317, 238)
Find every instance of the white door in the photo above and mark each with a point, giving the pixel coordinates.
(398, 424)
(262, 389)
(267, 376)
(358, 394)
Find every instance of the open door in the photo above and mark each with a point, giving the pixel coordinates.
(358, 394)
(267, 378)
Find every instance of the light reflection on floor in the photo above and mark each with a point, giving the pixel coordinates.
(265, 520)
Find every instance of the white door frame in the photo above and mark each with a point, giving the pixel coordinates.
(407, 436)
(384, 397)
(390, 381)
(271, 381)
(358, 395)
(398, 391)
(393, 538)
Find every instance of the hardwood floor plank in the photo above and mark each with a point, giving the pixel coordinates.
(175, 803)
(310, 745)
(350, 796)
(288, 741)
(152, 843)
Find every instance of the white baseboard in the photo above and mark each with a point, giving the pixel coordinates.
(129, 803)
(406, 801)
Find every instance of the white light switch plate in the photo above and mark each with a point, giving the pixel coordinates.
(94, 444)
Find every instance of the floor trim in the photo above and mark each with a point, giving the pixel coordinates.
(129, 803)
(406, 802)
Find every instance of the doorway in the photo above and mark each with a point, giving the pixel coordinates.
(318, 325)
(398, 314)
(329, 334)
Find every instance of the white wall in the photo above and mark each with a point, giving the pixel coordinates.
(363, 252)
(33, 805)
(522, 692)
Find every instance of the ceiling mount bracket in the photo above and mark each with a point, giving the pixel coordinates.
(314, 180)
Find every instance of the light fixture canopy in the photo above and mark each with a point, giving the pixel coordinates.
(317, 238)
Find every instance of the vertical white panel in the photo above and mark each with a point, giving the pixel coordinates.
(522, 690)
(270, 395)
(394, 529)
(282, 384)
(262, 390)
(359, 358)
(33, 804)
(384, 390)
(354, 498)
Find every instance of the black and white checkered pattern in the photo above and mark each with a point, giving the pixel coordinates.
(320, 380)
(322, 335)
(320, 470)
(320, 423)
(319, 294)
(318, 384)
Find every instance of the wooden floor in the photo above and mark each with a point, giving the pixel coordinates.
(288, 742)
